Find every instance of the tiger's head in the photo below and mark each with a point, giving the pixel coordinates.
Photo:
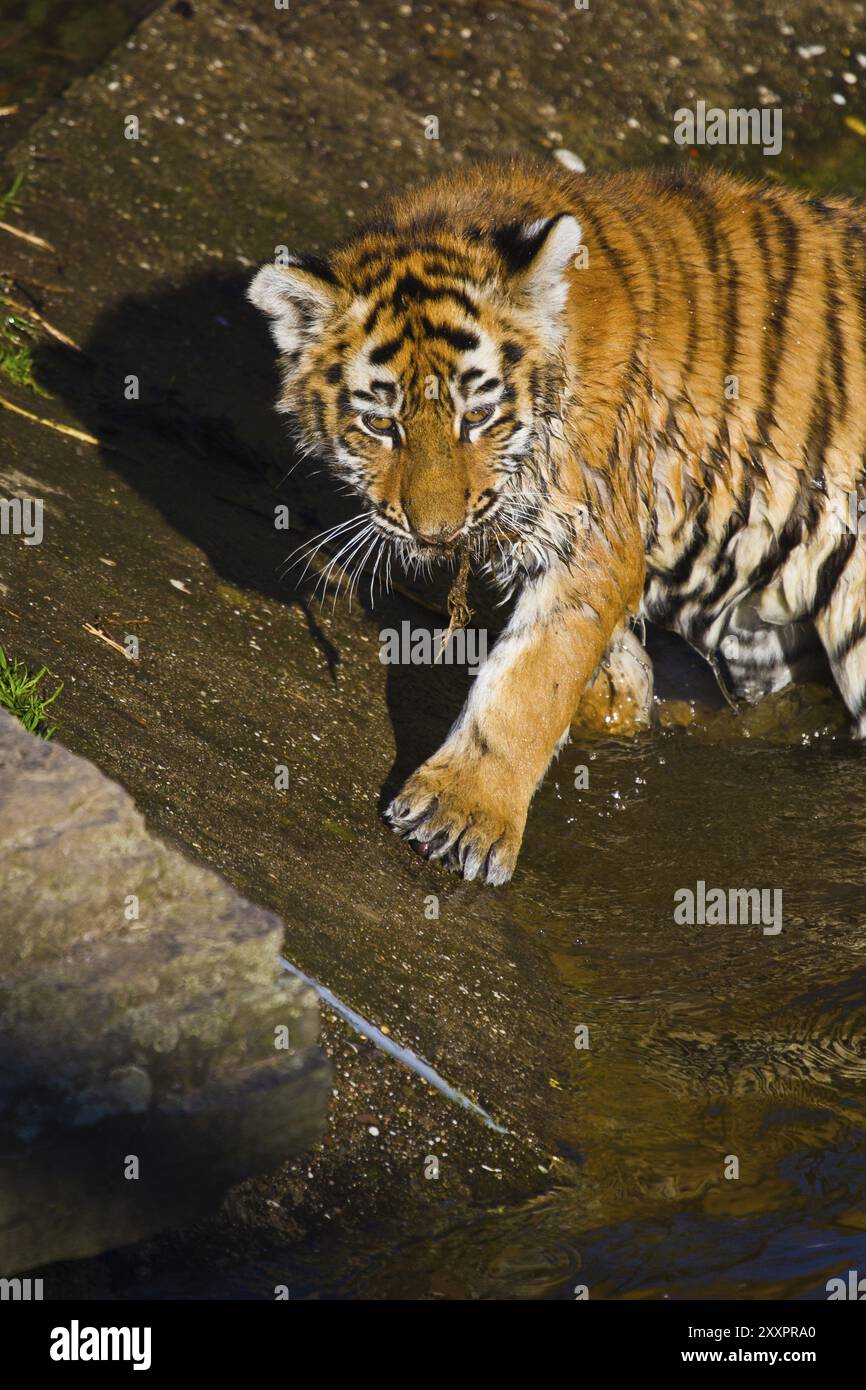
(424, 364)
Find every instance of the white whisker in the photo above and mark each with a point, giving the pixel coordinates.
(351, 546)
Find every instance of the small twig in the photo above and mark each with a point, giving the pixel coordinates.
(458, 602)
(9, 110)
(103, 637)
(15, 278)
(28, 236)
(43, 322)
(50, 424)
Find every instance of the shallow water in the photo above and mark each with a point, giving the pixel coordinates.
(708, 1041)
(705, 1042)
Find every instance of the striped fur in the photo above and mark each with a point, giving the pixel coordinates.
(676, 372)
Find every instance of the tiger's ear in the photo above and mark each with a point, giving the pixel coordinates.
(298, 297)
(538, 256)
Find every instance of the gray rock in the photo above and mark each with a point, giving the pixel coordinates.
(141, 1008)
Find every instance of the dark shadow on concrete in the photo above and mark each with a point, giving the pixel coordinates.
(203, 444)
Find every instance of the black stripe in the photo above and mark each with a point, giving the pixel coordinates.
(457, 338)
(855, 248)
(630, 380)
(634, 369)
(397, 251)
(410, 289)
(478, 738)
(445, 268)
(316, 265)
(781, 299)
(726, 578)
(387, 388)
(818, 432)
(385, 351)
(764, 419)
(837, 348)
(727, 574)
(646, 249)
(318, 409)
(852, 638)
(776, 554)
(372, 318)
(376, 278)
(830, 573)
(675, 252)
(684, 564)
(615, 256)
(696, 203)
(732, 323)
(512, 353)
(718, 245)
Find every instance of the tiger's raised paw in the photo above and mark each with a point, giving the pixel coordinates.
(446, 815)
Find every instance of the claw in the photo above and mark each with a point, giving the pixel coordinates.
(455, 835)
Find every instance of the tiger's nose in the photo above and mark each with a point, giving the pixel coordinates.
(444, 535)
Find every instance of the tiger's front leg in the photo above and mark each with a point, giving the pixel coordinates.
(467, 805)
(620, 698)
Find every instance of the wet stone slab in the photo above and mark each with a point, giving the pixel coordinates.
(140, 1010)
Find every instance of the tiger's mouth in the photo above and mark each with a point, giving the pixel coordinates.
(477, 533)
(489, 539)
(439, 550)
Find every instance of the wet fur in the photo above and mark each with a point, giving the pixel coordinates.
(679, 371)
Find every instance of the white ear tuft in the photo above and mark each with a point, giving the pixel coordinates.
(544, 282)
(297, 299)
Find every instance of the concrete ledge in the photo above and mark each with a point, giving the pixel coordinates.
(147, 1061)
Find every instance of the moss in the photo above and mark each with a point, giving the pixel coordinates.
(16, 354)
(10, 198)
(234, 597)
(339, 830)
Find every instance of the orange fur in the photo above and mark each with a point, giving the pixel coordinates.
(678, 374)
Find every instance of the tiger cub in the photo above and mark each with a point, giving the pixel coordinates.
(636, 394)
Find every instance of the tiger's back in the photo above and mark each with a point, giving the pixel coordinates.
(719, 337)
(754, 418)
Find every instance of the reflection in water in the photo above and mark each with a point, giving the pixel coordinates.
(705, 1043)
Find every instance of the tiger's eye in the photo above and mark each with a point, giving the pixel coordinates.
(379, 424)
(477, 414)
